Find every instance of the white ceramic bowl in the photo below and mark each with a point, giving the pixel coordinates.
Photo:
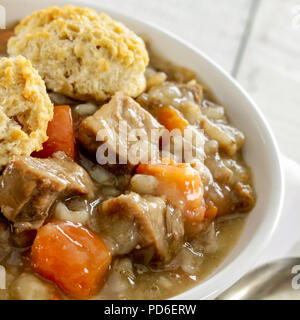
(260, 150)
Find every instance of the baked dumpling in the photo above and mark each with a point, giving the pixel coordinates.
(82, 54)
(25, 109)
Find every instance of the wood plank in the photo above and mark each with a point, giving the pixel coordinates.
(214, 26)
(270, 70)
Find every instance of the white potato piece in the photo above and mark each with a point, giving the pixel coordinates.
(154, 78)
(211, 147)
(191, 112)
(86, 109)
(111, 191)
(102, 176)
(213, 111)
(30, 287)
(230, 139)
(61, 212)
(59, 99)
(144, 184)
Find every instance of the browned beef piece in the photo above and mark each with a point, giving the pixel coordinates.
(120, 109)
(132, 222)
(29, 186)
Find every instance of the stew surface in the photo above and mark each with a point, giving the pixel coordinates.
(142, 225)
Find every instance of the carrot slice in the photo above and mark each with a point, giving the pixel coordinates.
(180, 183)
(61, 134)
(211, 210)
(4, 37)
(71, 256)
(171, 119)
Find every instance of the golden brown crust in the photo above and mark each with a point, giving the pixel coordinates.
(25, 109)
(82, 54)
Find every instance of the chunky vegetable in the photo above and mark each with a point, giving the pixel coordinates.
(61, 134)
(71, 256)
(211, 210)
(30, 287)
(180, 183)
(4, 37)
(171, 119)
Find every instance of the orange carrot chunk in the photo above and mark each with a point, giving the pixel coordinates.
(4, 37)
(211, 210)
(171, 119)
(71, 256)
(61, 134)
(181, 184)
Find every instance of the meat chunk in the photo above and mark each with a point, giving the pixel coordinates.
(29, 186)
(131, 222)
(116, 123)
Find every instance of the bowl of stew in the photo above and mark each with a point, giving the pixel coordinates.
(183, 229)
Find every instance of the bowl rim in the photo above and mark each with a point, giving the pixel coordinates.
(210, 287)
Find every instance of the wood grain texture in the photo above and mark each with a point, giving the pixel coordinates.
(270, 70)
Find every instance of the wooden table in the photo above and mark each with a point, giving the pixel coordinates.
(257, 41)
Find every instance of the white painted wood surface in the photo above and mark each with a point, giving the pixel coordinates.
(270, 64)
(270, 70)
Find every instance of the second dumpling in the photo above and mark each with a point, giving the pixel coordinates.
(82, 54)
